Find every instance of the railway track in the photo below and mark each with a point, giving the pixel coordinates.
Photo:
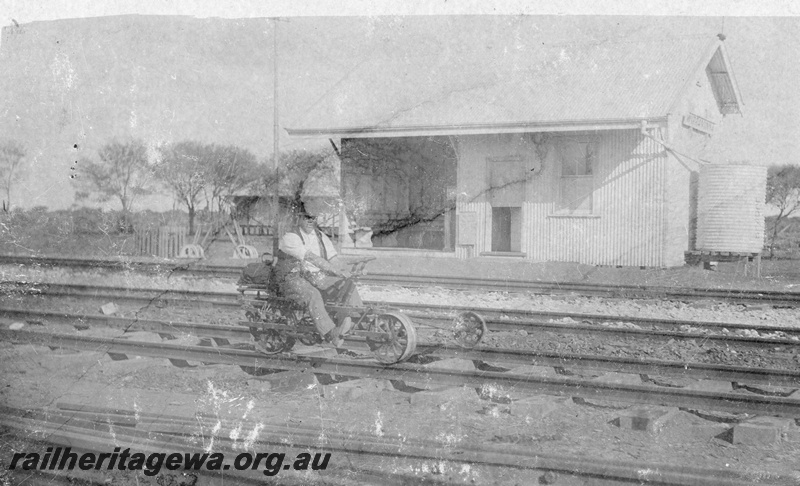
(366, 457)
(496, 319)
(778, 298)
(222, 335)
(499, 374)
(592, 389)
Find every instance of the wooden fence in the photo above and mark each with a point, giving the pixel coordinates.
(256, 230)
(164, 241)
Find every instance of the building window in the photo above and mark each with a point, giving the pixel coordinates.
(577, 158)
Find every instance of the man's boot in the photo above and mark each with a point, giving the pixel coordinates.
(334, 336)
(346, 326)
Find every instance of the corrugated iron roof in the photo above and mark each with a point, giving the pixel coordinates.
(600, 81)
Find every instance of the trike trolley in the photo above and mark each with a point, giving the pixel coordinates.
(277, 323)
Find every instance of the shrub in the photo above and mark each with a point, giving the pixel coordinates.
(90, 221)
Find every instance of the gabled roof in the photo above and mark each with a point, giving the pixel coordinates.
(577, 85)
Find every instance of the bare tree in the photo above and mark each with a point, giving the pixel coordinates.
(783, 192)
(294, 169)
(11, 156)
(183, 171)
(230, 169)
(122, 173)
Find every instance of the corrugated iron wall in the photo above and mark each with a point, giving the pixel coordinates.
(627, 225)
(680, 208)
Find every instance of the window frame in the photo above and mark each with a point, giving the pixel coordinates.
(591, 143)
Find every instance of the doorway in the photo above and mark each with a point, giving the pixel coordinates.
(506, 229)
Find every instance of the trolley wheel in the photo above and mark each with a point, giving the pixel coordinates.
(468, 329)
(400, 342)
(270, 341)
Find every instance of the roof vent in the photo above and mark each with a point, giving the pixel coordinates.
(721, 37)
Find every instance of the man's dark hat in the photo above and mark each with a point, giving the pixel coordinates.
(300, 209)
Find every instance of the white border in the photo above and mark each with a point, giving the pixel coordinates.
(24, 11)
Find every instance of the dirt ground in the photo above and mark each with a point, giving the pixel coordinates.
(448, 418)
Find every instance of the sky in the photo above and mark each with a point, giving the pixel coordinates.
(22, 12)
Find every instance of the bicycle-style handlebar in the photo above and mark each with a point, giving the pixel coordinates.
(358, 267)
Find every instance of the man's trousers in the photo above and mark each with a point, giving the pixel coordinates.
(300, 290)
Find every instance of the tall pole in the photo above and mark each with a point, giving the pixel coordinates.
(343, 234)
(275, 130)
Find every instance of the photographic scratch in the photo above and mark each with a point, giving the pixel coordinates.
(252, 436)
(379, 425)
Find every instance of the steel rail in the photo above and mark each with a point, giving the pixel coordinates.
(387, 278)
(740, 374)
(587, 329)
(36, 477)
(510, 316)
(122, 293)
(85, 435)
(516, 319)
(727, 402)
(132, 324)
(610, 291)
(582, 329)
(187, 267)
(62, 429)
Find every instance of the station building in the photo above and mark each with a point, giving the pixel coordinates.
(584, 152)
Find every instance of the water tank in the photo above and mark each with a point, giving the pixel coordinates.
(730, 208)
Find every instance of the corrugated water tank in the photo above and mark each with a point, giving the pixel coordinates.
(730, 208)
